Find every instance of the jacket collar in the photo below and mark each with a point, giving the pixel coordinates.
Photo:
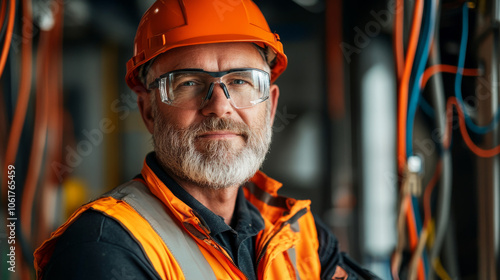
(261, 191)
(245, 212)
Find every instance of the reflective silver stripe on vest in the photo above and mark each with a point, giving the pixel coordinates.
(293, 257)
(182, 246)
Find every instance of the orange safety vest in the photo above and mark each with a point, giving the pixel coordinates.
(179, 246)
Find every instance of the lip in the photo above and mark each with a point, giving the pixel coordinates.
(219, 135)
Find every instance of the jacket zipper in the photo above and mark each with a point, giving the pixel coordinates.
(202, 224)
(292, 220)
(210, 241)
(218, 247)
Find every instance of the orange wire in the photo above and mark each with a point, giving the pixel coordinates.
(397, 255)
(412, 229)
(2, 18)
(24, 90)
(413, 235)
(398, 37)
(465, 135)
(449, 112)
(2, 13)
(428, 192)
(55, 123)
(429, 72)
(39, 134)
(402, 115)
(8, 36)
(404, 85)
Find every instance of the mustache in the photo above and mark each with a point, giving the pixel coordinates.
(218, 124)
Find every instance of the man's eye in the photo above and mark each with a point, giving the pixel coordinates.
(239, 82)
(188, 83)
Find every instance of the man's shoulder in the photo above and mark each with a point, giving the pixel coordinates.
(93, 226)
(98, 245)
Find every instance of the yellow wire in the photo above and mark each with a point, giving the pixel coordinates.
(436, 263)
(440, 271)
(430, 237)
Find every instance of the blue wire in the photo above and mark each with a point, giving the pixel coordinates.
(418, 220)
(426, 107)
(427, 34)
(422, 56)
(458, 79)
(426, 263)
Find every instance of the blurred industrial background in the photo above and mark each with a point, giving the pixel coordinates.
(387, 121)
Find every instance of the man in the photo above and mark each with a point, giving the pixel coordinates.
(200, 209)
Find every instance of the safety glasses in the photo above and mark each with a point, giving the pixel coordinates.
(193, 88)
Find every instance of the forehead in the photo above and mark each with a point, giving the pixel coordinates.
(210, 57)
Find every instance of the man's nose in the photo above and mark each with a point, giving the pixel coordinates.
(217, 102)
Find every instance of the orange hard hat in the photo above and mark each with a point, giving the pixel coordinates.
(169, 24)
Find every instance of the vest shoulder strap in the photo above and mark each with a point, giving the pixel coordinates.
(180, 244)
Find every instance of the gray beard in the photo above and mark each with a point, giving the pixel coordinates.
(214, 164)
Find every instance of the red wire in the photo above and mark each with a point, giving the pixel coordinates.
(465, 134)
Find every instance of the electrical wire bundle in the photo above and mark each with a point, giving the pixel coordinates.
(423, 50)
(46, 136)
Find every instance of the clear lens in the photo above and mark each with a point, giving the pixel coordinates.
(189, 89)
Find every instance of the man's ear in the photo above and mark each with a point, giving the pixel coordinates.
(274, 93)
(146, 109)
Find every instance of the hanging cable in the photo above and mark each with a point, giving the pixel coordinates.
(3, 18)
(24, 88)
(403, 90)
(427, 216)
(39, 133)
(458, 78)
(418, 270)
(404, 84)
(487, 153)
(412, 228)
(424, 105)
(417, 267)
(443, 68)
(8, 35)
(440, 270)
(428, 192)
(55, 126)
(398, 38)
(444, 195)
(425, 42)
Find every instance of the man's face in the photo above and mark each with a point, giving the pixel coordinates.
(218, 145)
